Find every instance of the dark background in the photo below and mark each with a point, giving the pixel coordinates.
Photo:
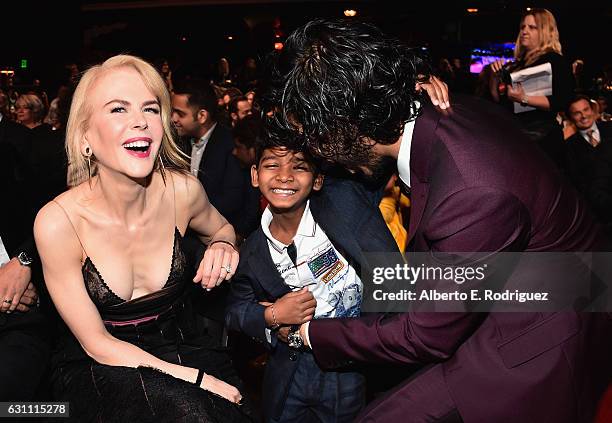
(193, 33)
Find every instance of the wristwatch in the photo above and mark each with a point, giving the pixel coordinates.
(24, 259)
(294, 338)
(524, 101)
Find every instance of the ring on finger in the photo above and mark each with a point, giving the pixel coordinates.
(228, 268)
(8, 301)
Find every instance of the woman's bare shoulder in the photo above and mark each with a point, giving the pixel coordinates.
(186, 186)
(54, 220)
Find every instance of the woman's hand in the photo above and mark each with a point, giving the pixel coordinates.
(218, 264)
(516, 92)
(220, 388)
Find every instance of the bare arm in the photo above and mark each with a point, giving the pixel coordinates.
(221, 258)
(62, 272)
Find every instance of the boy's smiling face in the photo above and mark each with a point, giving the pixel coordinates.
(285, 178)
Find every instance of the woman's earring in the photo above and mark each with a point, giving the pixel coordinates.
(88, 155)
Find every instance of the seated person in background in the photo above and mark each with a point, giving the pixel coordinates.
(132, 352)
(296, 267)
(585, 145)
(24, 328)
(590, 157)
(246, 133)
(239, 108)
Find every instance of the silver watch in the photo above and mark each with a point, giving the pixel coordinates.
(294, 338)
(24, 259)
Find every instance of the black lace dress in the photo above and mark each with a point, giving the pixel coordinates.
(163, 324)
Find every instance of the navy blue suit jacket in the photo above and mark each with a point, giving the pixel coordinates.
(349, 215)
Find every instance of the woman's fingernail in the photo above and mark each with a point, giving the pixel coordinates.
(435, 102)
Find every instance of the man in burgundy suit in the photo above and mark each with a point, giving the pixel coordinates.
(476, 186)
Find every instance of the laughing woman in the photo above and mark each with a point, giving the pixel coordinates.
(111, 249)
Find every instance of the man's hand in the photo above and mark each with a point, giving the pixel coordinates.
(14, 280)
(303, 335)
(437, 91)
(28, 299)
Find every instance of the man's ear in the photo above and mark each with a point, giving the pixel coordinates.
(318, 182)
(254, 176)
(202, 116)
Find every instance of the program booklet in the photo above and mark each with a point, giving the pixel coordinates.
(536, 80)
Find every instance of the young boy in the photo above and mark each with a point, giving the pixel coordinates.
(292, 269)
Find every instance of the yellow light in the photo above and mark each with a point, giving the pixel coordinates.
(472, 10)
(529, 9)
(230, 37)
(349, 13)
(278, 46)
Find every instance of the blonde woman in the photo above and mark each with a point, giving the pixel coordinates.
(111, 249)
(538, 43)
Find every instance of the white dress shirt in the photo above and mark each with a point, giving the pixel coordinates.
(403, 158)
(319, 265)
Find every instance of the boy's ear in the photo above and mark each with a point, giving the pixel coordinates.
(318, 182)
(254, 176)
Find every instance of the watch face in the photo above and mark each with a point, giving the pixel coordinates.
(24, 259)
(295, 340)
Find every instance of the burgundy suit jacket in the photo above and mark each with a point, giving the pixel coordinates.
(479, 185)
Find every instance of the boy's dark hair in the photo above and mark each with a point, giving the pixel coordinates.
(233, 104)
(248, 130)
(291, 144)
(200, 94)
(338, 82)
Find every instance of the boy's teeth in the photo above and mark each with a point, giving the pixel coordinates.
(283, 191)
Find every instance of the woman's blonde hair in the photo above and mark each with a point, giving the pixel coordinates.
(549, 37)
(169, 157)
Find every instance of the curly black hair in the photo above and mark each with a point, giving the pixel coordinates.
(338, 84)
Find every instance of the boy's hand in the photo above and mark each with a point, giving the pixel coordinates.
(295, 308)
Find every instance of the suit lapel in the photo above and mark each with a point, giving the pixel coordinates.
(326, 215)
(260, 261)
(422, 143)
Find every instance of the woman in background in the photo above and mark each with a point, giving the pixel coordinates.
(538, 43)
(30, 110)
